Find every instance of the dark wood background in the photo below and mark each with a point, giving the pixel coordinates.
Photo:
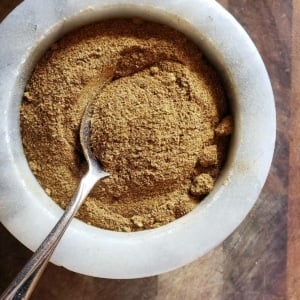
(261, 259)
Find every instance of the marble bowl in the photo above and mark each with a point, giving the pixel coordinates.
(29, 214)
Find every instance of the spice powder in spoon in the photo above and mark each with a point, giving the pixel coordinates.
(161, 127)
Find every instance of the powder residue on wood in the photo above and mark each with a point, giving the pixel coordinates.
(160, 127)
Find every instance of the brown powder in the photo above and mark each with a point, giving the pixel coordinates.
(157, 126)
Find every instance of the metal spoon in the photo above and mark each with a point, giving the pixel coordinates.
(24, 283)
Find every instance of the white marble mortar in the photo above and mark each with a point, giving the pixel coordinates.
(29, 214)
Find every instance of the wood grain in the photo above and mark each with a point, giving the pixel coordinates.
(261, 259)
(293, 263)
(256, 252)
(224, 3)
(7, 6)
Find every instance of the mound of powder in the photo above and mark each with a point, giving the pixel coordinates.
(160, 127)
(148, 129)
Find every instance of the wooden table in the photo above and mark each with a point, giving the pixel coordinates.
(261, 259)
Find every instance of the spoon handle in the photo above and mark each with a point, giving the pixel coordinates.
(22, 286)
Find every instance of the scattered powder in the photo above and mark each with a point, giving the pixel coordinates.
(160, 126)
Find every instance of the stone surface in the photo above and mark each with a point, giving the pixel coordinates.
(260, 260)
(29, 213)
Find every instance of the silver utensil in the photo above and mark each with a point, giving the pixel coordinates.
(24, 283)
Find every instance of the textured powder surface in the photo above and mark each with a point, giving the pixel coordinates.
(160, 126)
